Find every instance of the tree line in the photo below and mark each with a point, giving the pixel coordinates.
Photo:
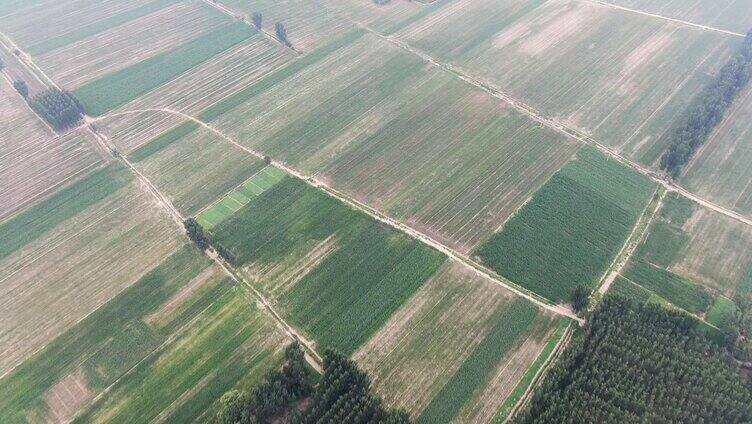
(707, 110)
(58, 107)
(641, 363)
(342, 395)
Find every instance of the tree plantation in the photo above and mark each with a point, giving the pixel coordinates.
(637, 364)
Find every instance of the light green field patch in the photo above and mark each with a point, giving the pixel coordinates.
(242, 195)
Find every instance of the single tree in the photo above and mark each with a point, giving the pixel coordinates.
(257, 19)
(267, 160)
(22, 88)
(282, 34)
(233, 407)
(580, 298)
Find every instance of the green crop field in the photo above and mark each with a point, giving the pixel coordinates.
(682, 293)
(346, 296)
(97, 351)
(243, 194)
(571, 229)
(230, 343)
(113, 90)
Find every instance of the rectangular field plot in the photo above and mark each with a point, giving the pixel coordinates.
(61, 380)
(450, 161)
(194, 168)
(115, 89)
(332, 271)
(231, 343)
(720, 169)
(34, 161)
(729, 15)
(46, 26)
(135, 41)
(620, 76)
(572, 228)
(376, 122)
(455, 349)
(307, 23)
(693, 257)
(195, 90)
(240, 196)
(71, 253)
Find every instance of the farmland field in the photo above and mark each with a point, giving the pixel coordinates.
(437, 339)
(193, 91)
(730, 15)
(183, 325)
(354, 125)
(243, 194)
(33, 160)
(590, 66)
(152, 35)
(192, 181)
(571, 229)
(117, 88)
(71, 253)
(307, 23)
(720, 169)
(343, 297)
(694, 258)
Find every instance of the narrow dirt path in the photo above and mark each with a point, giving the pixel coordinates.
(375, 214)
(634, 240)
(666, 18)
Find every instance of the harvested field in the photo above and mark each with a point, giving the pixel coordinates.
(193, 181)
(243, 194)
(154, 34)
(229, 344)
(730, 15)
(118, 88)
(432, 335)
(34, 161)
(307, 23)
(71, 253)
(449, 160)
(358, 274)
(382, 17)
(45, 27)
(572, 228)
(221, 76)
(620, 76)
(58, 383)
(720, 169)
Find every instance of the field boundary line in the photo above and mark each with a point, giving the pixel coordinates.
(541, 374)
(26, 60)
(632, 242)
(666, 18)
(379, 216)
